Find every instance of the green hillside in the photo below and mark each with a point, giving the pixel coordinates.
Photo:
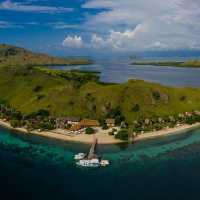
(188, 63)
(29, 89)
(15, 56)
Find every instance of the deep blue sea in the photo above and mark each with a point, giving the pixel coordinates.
(121, 70)
(34, 168)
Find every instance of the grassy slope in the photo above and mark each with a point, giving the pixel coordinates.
(63, 99)
(189, 63)
(14, 56)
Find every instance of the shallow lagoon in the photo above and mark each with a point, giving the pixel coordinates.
(38, 168)
(120, 71)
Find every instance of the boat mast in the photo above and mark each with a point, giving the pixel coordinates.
(92, 152)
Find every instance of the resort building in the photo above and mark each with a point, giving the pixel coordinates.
(197, 113)
(73, 120)
(110, 122)
(75, 127)
(89, 123)
(61, 123)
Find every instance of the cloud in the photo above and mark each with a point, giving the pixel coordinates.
(6, 25)
(127, 25)
(73, 42)
(62, 25)
(22, 7)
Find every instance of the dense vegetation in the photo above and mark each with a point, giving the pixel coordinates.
(34, 97)
(30, 89)
(89, 131)
(14, 56)
(189, 63)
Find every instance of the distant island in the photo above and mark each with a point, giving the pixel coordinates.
(15, 56)
(40, 99)
(189, 63)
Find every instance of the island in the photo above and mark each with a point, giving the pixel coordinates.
(75, 105)
(16, 56)
(187, 64)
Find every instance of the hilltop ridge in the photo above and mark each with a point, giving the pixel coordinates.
(16, 56)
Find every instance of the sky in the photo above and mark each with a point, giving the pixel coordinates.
(101, 27)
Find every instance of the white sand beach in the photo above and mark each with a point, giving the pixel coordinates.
(103, 137)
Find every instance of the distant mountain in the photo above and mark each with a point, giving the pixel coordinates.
(15, 56)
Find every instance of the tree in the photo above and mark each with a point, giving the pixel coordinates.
(68, 126)
(116, 114)
(136, 108)
(122, 135)
(104, 126)
(156, 95)
(16, 123)
(89, 131)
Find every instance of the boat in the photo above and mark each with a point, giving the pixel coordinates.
(104, 163)
(79, 156)
(89, 163)
(91, 160)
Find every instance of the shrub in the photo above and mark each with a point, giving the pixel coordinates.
(156, 95)
(122, 135)
(41, 96)
(116, 114)
(89, 131)
(16, 115)
(183, 98)
(104, 126)
(37, 88)
(68, 126)
(42, 113)
(16, 123)
(136, 108)
(71, 103)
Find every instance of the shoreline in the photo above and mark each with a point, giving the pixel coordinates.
(102, 137)
(59, 135)
(167, 132)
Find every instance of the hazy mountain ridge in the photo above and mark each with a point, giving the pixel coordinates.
(15, 56)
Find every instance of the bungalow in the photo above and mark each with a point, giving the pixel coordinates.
(188, 114)
(61, 123)
(89, 123)
(110, 122)
(73, 120)
(76, 127)
(197, 113)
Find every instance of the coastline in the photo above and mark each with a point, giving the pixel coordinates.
(102, 137)
(167, 132)
(59, 135)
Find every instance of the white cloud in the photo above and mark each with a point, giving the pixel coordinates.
(145, 24)
(22, 7)
(5, 25)
(62, 25)
(73, 42)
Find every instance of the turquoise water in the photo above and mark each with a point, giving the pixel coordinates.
(38, 168)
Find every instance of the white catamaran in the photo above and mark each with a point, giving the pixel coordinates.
(91, 160)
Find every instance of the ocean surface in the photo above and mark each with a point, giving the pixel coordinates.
(34, 168)
(119, 71)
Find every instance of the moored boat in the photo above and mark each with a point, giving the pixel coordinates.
(104, 163)
(89, 162)
(79, 156)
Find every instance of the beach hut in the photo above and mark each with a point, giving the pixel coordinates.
(62, 122)
(110, 122)
(89, 123)
(76, 127)
(73, 120)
